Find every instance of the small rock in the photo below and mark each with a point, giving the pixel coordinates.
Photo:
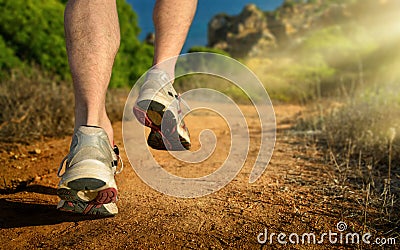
(36, 151)
(16, 166)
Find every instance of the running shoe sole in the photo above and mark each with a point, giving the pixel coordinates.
(85, 182)
(103, 210)
(151, 113)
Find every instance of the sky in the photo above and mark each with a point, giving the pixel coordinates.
(205, 11)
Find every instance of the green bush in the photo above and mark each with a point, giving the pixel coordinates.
(324, 63)
(8, 59)
(333, 46)
(32, 31)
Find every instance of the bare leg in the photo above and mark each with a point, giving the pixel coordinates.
(92, 38)
(172, 19)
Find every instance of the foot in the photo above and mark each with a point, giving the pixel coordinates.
(87, 183)
(158, 103)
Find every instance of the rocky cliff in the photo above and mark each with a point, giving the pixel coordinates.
(241, 35)
(255, 33)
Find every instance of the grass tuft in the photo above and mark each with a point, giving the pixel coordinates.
(35, 104)
(360, 139)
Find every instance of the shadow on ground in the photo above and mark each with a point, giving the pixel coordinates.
(24, 212)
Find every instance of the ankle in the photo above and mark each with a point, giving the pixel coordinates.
(102, 121)
(106, 125)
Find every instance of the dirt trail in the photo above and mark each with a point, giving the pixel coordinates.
(288, 198)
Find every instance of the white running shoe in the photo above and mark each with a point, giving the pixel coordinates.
(87, 181)
(158, 103)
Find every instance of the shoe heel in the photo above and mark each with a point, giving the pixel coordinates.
(105, 196)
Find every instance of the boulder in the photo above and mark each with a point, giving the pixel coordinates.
(243, 35)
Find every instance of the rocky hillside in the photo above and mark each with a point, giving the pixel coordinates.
(253, 32)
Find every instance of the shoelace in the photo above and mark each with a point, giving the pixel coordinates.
(116, 151)
(115, 163)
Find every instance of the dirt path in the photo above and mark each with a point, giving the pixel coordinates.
(289, 197)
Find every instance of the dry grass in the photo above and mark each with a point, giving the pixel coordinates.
(115, 103)
(361, 143)
(35, 105)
